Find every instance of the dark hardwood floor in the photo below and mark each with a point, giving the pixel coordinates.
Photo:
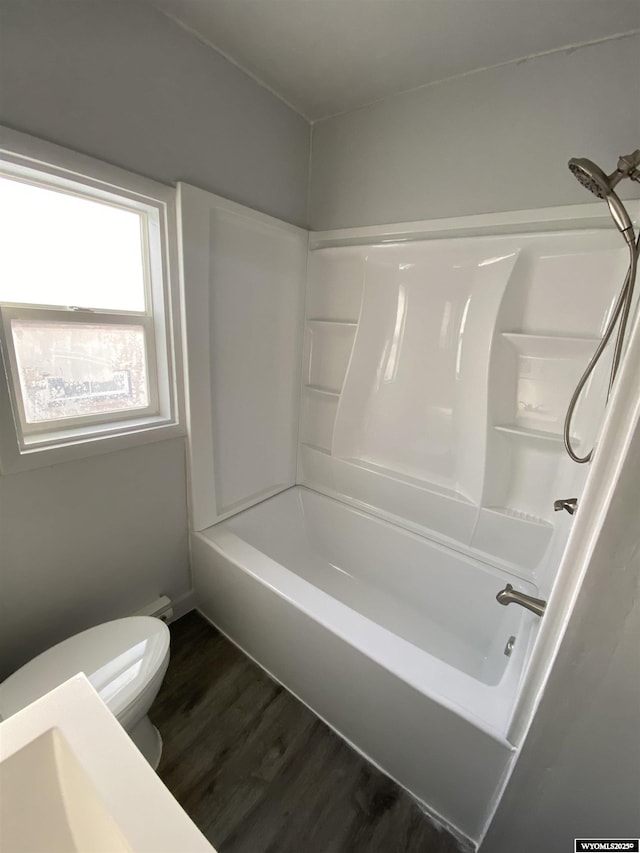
(260, 773)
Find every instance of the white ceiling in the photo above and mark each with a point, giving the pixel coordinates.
(328, 56)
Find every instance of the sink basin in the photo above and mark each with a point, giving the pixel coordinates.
(72, 779)
(47, 802)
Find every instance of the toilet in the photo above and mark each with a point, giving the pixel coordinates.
(125, 660)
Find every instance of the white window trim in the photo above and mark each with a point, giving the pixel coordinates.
(27, 156)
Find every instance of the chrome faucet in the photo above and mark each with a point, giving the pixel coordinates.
(509, 596)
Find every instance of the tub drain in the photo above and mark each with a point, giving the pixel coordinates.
(509, 647)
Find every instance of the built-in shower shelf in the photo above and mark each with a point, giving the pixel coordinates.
(329, 322)
(552, 346)
(324, 451)
(513, 535)
(518, 431)
(328, 348)
(319, 389)
(518, 515)
(407, 479)
(391, 475)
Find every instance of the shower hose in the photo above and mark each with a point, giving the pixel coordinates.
(621, 310)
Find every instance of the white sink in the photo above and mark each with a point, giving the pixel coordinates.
(71, 779)
(47, 802)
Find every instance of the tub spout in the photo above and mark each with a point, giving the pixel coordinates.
(508, 596)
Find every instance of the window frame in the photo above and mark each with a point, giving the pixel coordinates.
(23, 445)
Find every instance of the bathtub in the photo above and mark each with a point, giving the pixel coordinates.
(395, 641)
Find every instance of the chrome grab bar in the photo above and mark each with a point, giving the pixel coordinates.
(509, 596)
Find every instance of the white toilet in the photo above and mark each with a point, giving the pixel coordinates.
(125, 660)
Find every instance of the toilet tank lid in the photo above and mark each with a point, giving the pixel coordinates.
(119, 658)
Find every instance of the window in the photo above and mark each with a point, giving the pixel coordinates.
(85, 307)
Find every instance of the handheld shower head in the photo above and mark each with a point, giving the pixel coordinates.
(590, 176)
(601, 185)
(594, 179)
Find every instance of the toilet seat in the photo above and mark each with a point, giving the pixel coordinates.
(123, 659)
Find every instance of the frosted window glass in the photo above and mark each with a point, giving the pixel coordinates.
(70, 370)
(61, 249)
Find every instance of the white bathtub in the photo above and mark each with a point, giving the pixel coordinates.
(397, 642)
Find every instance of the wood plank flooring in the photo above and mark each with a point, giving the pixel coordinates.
(260, 773)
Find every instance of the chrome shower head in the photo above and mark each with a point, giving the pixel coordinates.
(601, 185)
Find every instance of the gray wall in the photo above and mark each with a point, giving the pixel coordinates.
(578, 774)
(118, 80)
(87, 541)
(98, 538)
(492, 141)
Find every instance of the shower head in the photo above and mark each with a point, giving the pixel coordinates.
(591, 176)
(601, 185)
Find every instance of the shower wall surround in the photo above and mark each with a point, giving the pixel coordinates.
(435, 372)
(243, 284)
(417, 376)
(436, 378)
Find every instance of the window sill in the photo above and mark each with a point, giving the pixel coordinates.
(76, 447)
